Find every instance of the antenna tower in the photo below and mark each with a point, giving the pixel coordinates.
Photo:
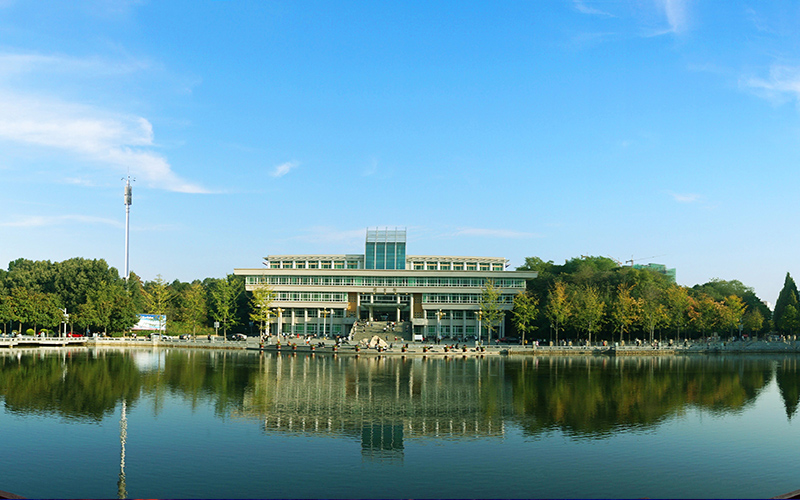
(127, 225)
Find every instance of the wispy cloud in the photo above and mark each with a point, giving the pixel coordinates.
(122, 142)
(685, 197)
(41, 221)
(494, 233)
(783, 81)
(676, 15)
(284, 168)
(583, 8)
(101, 137)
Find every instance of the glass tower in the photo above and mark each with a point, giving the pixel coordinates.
(385, 249)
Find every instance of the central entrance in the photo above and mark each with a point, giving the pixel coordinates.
(384, 307)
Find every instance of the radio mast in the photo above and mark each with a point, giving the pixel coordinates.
(127, 225)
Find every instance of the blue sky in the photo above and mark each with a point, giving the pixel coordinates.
(660, 130)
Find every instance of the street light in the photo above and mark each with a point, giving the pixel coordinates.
(439, 316)
(280, 321)
(324, 313)
(479, 314)
(66, 319)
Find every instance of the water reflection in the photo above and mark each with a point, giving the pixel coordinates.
(384, 402)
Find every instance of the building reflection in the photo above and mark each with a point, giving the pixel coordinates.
(383, 401)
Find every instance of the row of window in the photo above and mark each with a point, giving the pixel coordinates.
(378, 281)
(314, 264)
(455, 331)
(311, 329)
(381, 258)
(457, 266)
(311, 313)
(311, 297)
(460, 298)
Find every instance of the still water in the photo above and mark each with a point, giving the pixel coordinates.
(233, 424)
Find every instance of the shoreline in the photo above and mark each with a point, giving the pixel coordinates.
(420, 349)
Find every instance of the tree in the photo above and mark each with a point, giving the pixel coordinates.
(790, 319)
(787, 296)
(588, 309)
(195, 304)
(678, 304)
(262, 299)
(526, 308)
(624, 310)
(734, 311)
(493, 314)
(558, 308)
(225, 295)
(157, 296)
(753, 321)
(109, 306)
(653, 311)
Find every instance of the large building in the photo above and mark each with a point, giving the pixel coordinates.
(431, 296)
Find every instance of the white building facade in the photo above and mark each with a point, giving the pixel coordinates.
(436, 296)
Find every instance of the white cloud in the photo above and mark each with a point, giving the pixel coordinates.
(685, 198)
(580, 6)
(494, 233)
(41, 221)
(105, 138)
(782, 80)
(676, 13)
(284, 168)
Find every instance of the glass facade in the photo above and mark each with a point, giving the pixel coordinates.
(385, 249)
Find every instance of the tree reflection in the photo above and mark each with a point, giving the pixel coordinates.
(588, 396)
(385, 401)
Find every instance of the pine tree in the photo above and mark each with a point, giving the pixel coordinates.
(788, 296)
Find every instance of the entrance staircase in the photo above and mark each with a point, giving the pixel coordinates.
(401, 331)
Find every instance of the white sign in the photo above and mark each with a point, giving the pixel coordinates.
(151, 322)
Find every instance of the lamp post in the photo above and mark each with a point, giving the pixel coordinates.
(479, 314)
(324, 313)
(66, 319)
(439, 315)
(280, 321)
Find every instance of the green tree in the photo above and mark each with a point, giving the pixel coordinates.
(654, 312)
(787, 296)
(790, 319)
(753, 322)
(195, 303)
(558, 308)
(678, 305)
(158, 295)
(260, 304)
(588, 309)
(624, 310)
(491, 307)
(225, 295)
(526, 308)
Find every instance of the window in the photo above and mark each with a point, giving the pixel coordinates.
(472, 266)
(444, 266)
(484, 267)
(313, 265)
(419, 266)
(430, 266)
(351, 264)
(338, 265)
(497, 267)
(325, 264)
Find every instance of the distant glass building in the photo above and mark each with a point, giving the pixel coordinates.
(437, 295)
(659, 268)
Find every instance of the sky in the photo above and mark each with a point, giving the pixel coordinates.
(662, 131)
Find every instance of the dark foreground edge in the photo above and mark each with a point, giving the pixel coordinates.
(793, 494)
(5, 494)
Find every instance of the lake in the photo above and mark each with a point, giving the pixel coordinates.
(193, 423)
